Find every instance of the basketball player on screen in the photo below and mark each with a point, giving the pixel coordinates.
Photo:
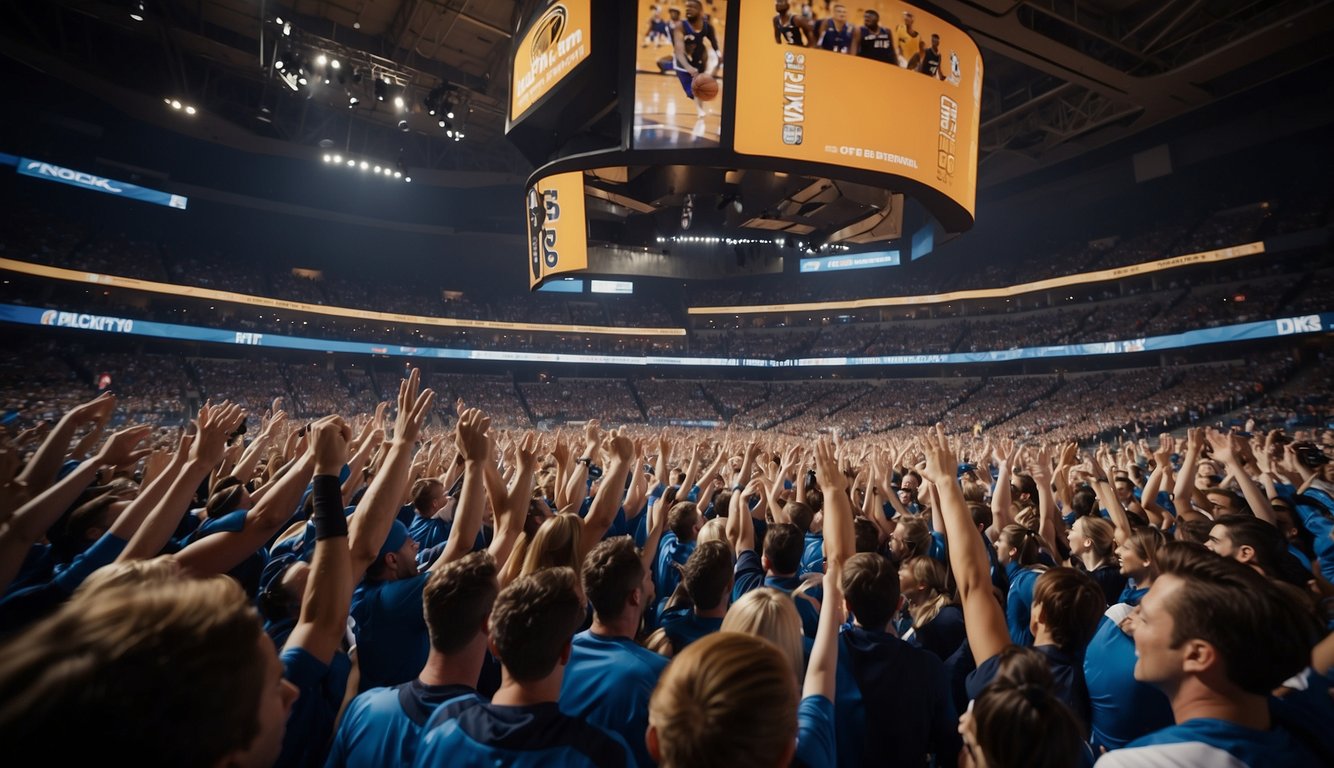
(909, 43)
(930, 64)
(874, 41)
(790, 28)
(689, 56)
(658, 28)
(836, 33)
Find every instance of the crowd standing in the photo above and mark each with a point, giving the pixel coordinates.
(384, 588)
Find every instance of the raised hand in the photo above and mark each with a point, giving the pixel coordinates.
(1220, 446)
(941, 464)
(527, 450)
(97, 409)
(122, 448)
(827, 470)
(619, 446)
(215, 424)
(412, 408)
(472, 435)
(328, 443)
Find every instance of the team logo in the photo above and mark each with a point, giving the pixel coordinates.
(792, 134)
(956, 70)
(549, 30)
(49, 317)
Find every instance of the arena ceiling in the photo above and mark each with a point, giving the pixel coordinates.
(1063, 77)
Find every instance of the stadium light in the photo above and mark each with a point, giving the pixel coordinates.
(328, 158)
(338, 158)
(137, 10)
(189, 110)
(321, 59)
(365, 165)
(175, 104)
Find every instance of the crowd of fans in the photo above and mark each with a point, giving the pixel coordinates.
(385, 587)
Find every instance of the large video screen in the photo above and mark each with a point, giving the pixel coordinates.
(679, 77)
(553, 45)
(875, 85)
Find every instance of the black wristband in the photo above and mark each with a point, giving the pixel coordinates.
(330, 522)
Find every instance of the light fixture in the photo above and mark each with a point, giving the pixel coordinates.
(175, 104)
(189, 110)
(328, 158)
(365, 165)
(398, 102)
(352, 101)
(450, 114)
(381, 88)
(287, 30)
(278, 20)
(378, 169)
(351, 163)
(403, 126)
(398, 174)
(137, 10)
(338, 158)
(407, 178)
(443, 124)
(335, 64)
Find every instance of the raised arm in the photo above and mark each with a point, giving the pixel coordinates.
(30, 523)
(1049, 521)
(1227, 449)
(205, 450)
(378, 508)
(1001, 498)
(619, 449)
(510, 519)
(474, 442)
(821, 670)
(983, 619)
(41, 469)
(323, 620)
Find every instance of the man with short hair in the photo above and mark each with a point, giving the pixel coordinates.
(532, 623)
(892, 700)
(383, 725)
(707, 581)
(609, 678)
(778, 568)
(1217, 637)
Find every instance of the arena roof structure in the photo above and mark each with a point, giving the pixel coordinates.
(1063, 77)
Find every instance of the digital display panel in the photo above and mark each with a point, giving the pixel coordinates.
(675, 43)
(557, 226)
(923, 241)
(566, 285)
(556, 42)
(893, 90)
(611, 286)
(850, 261)
(83, 180)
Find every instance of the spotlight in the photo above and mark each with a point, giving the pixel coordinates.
(335, 64)
(328, 158)
(365, 165)
(407, 179)
(338, 158)
(403, 126)
(352, 101)
(443, 124)
(398, 174)
(378, 169)
(166, 101)
(137, 10)
(398, 102)
(278, 64)
(287, 30)
(450, 114)
(189, 110)
(351, 163)
(321, 60)
(278, 20)
(175, 104)
(301, 80)
(449, 132)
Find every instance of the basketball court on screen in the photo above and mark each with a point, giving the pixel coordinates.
(665, 116)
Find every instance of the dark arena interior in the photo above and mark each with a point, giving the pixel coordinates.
(668, 382)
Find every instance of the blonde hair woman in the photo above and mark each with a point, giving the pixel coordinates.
(937, 619)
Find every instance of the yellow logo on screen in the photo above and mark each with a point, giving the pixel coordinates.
(549, 30)
(794, 97)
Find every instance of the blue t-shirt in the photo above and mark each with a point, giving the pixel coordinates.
(383, 725)
(683, 627)
(1019, 602)
(749, 574)
(672, 553)
(1122, 709)
(471, 732)
(310, 724)
(942, 635)
(816, 744)
(1132, 594)
(392, 641)
(893, 702)
(26, 606)
(1214, 743)
(429, 531)
(608, 682)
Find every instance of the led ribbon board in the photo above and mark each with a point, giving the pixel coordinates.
(42, 170)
